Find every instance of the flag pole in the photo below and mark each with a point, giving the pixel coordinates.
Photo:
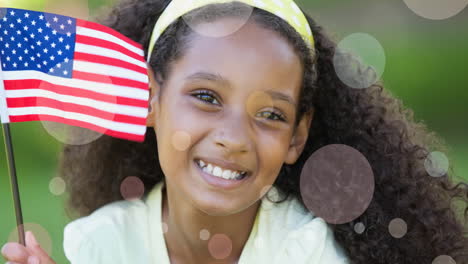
(5, 119)
(13, 181)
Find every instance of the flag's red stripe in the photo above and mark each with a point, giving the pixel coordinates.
(109, 80)
(75, 108)
(102, 28)
(110, 61)
(72, 122)
(66, 90)
(108, 45)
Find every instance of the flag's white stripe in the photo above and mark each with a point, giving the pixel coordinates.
(117, 126)
(3, 104)
(108, 37)
(104, 88)
(108, 70)
(104, 106)
(96, 50)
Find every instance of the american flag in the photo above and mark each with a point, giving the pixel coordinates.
(72, 71)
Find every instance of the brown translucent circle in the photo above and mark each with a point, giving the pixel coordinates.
(220, 246)
(40, 233)
(132, 188)
(397, 228)
(256, 101)
(201, 20)
(181, 140)
(337, 183)
(444, 259)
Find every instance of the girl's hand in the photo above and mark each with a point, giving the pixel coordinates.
(16, 253)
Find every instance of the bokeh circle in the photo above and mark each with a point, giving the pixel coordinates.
(132, 188)
(73, 8)
(436, 9)
(40, 233)
(337, 183)
(181, 140)
(444, 259)
(204, 234)
(76, 120)
(57, 186)
(200, 20)
(220, 246)
(397, 228)
(359, 60)
(359, 228)
(436, 164)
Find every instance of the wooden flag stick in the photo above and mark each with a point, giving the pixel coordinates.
(5, 119)
(14, 182)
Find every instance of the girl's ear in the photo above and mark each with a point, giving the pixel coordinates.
(153, 99)
(299, 138)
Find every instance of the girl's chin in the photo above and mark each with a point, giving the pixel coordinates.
(219, 206)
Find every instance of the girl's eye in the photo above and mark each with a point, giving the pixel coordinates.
(272, 116)
(207, 97)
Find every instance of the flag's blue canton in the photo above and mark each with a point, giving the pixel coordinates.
(31, 40)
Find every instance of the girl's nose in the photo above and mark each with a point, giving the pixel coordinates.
(234, 136)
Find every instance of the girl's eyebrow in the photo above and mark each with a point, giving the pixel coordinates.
(215, 77)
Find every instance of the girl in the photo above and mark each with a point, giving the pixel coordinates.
(250, 106)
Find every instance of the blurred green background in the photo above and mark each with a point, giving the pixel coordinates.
(426, 67)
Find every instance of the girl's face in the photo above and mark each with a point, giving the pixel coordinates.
(230, 102)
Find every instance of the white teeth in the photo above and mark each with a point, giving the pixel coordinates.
(219, 172)
(227, 174)
(209, 168)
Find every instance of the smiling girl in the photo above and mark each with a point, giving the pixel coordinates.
(238, 103)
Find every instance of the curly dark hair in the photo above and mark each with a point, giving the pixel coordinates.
(370, 120)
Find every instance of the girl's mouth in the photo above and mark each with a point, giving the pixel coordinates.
(219, 176)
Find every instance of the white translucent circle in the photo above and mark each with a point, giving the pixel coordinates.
(69, 125)
(165, 227)
(23, 4)
(259, 243)
(359, 228)
(436, 164)
(200, 20)
(397, 228)
(436, 9)
(265, 190)
(359, 60)
(57, 186)
(204, 234)
(3, 12)
(72, 8)
(444, 259)
(40, 233)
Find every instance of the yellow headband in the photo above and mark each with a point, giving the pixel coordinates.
(286, 9)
